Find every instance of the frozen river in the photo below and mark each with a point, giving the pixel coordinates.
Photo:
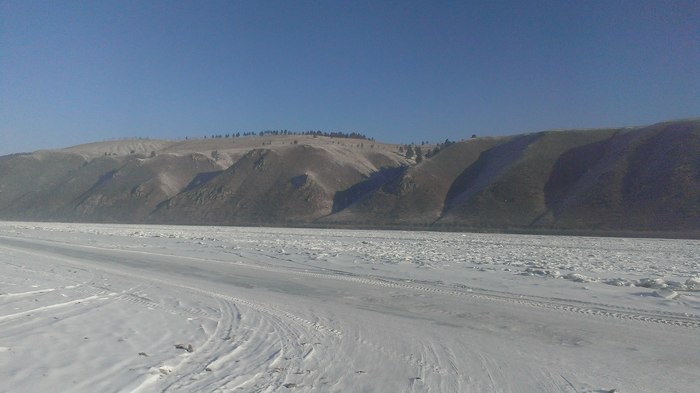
(126, 308)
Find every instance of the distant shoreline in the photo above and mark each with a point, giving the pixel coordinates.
(630, 234)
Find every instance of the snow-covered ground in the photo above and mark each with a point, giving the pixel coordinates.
(125, 308)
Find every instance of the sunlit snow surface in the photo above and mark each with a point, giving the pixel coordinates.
(123, 308)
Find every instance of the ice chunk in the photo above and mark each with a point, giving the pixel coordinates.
(576, 277)
(666, 293)
(692, 284)
(652, 283)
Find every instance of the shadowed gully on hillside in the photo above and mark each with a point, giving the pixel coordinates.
(642, 179)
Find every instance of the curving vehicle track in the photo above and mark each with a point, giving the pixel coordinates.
(101, 311)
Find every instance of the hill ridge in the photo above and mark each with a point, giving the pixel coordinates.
(641, 179)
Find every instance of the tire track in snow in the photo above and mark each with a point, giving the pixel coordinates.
(258, 306)
(280, 315)
(190, 374)
(51, 275)
(136, 298)
(572, 306)
(271, 311)
(90, 287)
(275, 320)
(28, 313)
(557, 305)
(28, 293)
(560, 305)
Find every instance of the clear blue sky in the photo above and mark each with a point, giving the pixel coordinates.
(79, 71)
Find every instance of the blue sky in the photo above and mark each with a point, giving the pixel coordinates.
(79, 71)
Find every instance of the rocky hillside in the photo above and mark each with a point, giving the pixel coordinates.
(644, 179)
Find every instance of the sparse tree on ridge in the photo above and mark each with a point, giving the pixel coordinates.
(409, 152)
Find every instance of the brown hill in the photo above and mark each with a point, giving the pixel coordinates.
(414, 195)
(286, 184)
(590, 181)
(646, 179)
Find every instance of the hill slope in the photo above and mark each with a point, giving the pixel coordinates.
(632, 179)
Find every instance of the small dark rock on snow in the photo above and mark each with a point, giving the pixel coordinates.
(187, 348)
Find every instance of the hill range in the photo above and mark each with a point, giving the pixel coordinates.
(640, 180)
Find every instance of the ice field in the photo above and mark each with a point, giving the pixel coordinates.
(131, 308)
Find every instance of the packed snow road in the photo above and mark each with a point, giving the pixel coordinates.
(106, 308)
